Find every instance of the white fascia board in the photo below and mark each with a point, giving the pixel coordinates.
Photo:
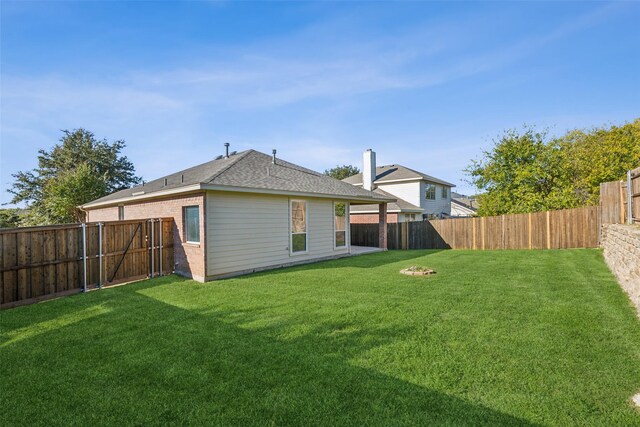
(391, 181)
(372, 212)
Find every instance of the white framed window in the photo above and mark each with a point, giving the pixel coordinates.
(298, 223)
(340, 224)
(445, 192)
(410, 217)
(430, 192)
(120, 212)
(191, 221)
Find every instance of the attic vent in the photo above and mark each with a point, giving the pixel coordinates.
(233, 153)
(219, 157)
(138, 193)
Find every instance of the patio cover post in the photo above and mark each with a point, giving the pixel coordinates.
(382, 226)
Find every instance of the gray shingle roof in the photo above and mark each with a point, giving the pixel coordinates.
(249, 170)
(400, 205)
(394, 172)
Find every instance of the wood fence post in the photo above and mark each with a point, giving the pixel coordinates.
(503, 245)
(473, 230)
(453, 233)
(548, 230)
(530, 231)
(621, 203)
(405, 235)
(629, 199)
(84, 257)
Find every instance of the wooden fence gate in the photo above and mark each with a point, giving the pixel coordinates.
(43, 262)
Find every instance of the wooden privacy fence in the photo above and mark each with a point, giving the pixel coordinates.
(43, 262)
(620, 200)
(569, 228)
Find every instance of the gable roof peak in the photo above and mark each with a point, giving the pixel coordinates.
(249, 171)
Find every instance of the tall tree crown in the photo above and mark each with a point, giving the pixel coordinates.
(77, 170)
(526, 171)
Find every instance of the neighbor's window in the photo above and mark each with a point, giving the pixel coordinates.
(410, 217)
(340, 224)
(120, 213)
(192, 224)
(444, 193)
(298, 226)
(430, 192)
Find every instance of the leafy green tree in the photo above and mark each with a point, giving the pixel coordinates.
(521, 173)
(526, 171)
(64, 193)
(601, 155)
(77, 170)
(342, 172)
(9, 218)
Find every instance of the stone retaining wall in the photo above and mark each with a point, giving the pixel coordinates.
(621, 244)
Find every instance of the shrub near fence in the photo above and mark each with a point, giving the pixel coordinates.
(569, 228)
(43, 262)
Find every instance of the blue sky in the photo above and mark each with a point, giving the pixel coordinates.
(425, 84)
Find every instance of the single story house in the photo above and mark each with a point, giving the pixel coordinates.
(459, 209)
(418, 195)
(244, 212)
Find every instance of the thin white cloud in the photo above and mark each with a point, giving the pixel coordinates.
(168, 108)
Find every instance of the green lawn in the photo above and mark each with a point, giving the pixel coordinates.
(494, 338)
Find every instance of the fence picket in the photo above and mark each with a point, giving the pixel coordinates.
(569, 228)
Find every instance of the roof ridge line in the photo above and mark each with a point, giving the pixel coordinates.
(241, 156)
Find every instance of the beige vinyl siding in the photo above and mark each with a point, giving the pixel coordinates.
(437, 206)
(409, 191)
(251, 231)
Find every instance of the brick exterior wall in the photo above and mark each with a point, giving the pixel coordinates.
(371, 218)
(621, 244)
(189, 258)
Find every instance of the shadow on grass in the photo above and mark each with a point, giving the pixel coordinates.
(366, 261)
(143, 361)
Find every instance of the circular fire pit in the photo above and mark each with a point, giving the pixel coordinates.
(415, 270)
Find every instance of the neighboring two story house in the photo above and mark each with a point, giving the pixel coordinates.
(419, 196)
